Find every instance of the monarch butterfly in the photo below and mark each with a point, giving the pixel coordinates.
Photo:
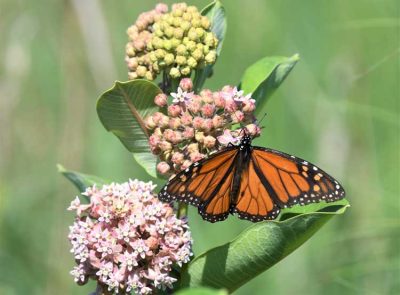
(253, 182)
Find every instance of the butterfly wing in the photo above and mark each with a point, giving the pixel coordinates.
(206, 184)
(254, 201)
(290, 180)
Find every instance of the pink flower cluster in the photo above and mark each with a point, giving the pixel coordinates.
(193, 126)
(126, 239)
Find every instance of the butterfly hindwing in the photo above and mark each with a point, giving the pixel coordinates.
(205, 184)
(254, 202)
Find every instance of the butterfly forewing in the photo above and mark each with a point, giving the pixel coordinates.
(293, 180)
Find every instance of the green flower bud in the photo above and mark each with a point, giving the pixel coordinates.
(169, 59)
(159, 33)
(149, 46)
(157, 26)
(185, 25)
(200, 46)
(153, 56)
(209, 39)
(141, 71)
(169, 31)
(157, 43)
(187, 16)
(192, 9)
(180, 60)
(206, 49)
(177, 12)
(170, 20)
(174, 73)
(211, 57)
(177, 22)
(167, 44)
(178, 33)
(160, 53)
(175, 42)
(192, 62)
(200, 32)
(132, 75)
(181, 49)
(130, 51)
(196, 22)
(156, 67)
(193, 35)
(205, 23)
(191, 45)
(197, 54)
(186, 71)
(149, 75)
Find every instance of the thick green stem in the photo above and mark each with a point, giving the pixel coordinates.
(182, 210)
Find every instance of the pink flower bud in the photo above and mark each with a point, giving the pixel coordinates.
(174, 110)
(154, 140)
(174, 123)
(177, 137)
(208, 110)
(219, 100)
(193, 147)
(186, 119)
(161, 8)
(249, 106)
(164, 121)
(177, 158)
(237, 117)
(152, 242)
(186, 84)
(163, 167)
(157, 117)
(230, 105)
(218, 121)
(199, 136)
(161, 100)
(198, 122)
(165, 145)
(196, 156)
(209, 141)
(188, 133)
(157, 132)
(207, 125)
(194, 107)
(197, 98)
(207, 95)
(186, 164)
(149, 122)
(253, 129)
(227, 88)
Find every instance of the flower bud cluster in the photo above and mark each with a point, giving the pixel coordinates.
(126, 239)
(193, 126)
(177, 42)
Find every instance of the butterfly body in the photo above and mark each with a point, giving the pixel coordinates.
(253, 182)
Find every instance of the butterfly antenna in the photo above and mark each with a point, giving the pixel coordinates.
(259, 122)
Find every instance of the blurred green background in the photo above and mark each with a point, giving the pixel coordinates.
(339, 108)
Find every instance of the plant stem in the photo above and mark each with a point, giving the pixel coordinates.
(182, 210)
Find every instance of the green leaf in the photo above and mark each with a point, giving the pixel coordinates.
(216, 14)
(122, 110)
(258, 248)
(264, 77)
(80, 180)
(201, 291)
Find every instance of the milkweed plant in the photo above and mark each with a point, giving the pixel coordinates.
(123, 237)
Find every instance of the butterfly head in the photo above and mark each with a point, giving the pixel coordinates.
(245, 141)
